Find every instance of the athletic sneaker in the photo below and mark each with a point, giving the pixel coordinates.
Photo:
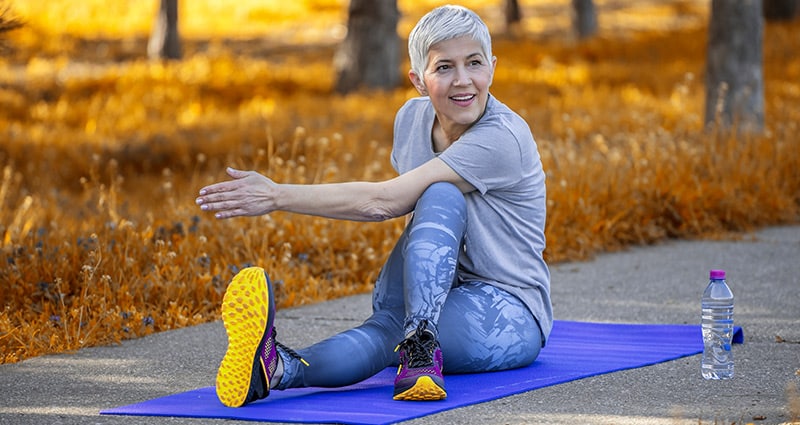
(419, 377)
(248, 309)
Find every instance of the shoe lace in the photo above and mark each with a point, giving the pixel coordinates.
(419, 347)
(286, 349)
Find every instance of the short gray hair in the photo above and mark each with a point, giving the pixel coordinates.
(442, 24)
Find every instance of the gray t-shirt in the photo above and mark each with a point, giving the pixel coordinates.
(506, 214)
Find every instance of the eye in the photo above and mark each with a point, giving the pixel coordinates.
(442, 67)
(475, 62)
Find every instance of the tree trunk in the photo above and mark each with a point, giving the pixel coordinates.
(584, 18)
(369, 55)
(7, 21)
(513, 14)
(781, 10)
(165, 43)
(734, 77)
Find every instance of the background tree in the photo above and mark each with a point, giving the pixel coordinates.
(513, 14)
(781, 10)
(8, 22)
(369, 56)
(165, 43)
(584, 20)
(734, 77)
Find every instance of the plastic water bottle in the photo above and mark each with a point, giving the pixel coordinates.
(717, 323)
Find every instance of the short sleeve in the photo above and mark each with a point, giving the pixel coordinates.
(488, 156)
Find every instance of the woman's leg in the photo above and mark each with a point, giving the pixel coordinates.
(412, 287)
(357, 353)
(345, 358)
(431, 254)
(483, 328)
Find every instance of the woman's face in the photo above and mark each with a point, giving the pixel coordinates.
(457, 80)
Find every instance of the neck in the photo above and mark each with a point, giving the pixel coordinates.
(450, 134)
(447, 135)
(439, 139)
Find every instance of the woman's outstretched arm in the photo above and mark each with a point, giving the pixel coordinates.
(250, 194)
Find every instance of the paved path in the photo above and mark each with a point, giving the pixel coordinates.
(657, 284)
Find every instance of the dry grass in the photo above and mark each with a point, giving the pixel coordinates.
(103, 153)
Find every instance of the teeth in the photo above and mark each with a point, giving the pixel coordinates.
(468, 97)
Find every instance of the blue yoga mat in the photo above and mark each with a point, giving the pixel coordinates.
(575, 350)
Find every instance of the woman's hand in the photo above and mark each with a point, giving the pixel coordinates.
(248, 194)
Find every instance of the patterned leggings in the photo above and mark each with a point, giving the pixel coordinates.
(480, 328)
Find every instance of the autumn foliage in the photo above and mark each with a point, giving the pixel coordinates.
(103, 152)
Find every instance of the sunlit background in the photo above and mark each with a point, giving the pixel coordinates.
(103, 150)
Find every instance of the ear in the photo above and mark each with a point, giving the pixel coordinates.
(494, 66)
(417, 82)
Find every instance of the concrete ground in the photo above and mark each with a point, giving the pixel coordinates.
(656, 284)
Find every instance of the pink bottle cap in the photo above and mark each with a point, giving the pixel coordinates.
(717, 274)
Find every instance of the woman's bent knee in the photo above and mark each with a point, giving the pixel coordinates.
(445, 193)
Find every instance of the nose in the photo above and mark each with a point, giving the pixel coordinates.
(462, 77)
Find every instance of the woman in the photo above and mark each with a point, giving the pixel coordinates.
(465, 289)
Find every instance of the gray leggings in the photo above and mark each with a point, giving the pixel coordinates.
(480, 327)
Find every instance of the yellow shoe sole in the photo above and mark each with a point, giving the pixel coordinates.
(423, 390)
(245, 314)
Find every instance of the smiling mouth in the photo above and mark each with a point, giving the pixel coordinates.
(464, 98)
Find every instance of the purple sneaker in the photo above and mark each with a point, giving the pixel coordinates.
(419, 377)
(248, 309)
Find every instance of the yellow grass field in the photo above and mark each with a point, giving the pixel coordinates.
(102, 151)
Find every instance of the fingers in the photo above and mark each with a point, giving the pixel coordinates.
(217, 188)
(208, 205)
(214, 197)
(225, 186)
(213, 193)
(236, 174)
(233, 198)
(222, 186)
(223, 207)
(230, 213)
